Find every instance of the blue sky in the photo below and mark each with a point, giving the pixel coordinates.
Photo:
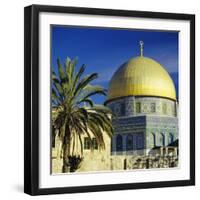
(104, 50)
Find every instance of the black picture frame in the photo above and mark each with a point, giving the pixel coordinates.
(31, 99)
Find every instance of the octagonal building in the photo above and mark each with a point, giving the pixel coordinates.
(142, 97)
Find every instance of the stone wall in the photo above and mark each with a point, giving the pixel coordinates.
(95, 162)
(93, 159)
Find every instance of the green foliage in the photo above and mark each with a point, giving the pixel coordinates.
(74, 112)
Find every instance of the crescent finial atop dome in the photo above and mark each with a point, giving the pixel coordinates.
(141, 47)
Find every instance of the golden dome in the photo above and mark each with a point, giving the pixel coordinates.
(141, 76)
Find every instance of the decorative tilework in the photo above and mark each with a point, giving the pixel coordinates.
(151, 121)
(133, 106)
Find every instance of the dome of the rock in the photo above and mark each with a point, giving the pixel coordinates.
(141, 76)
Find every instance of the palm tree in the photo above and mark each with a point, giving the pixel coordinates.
(75, 113)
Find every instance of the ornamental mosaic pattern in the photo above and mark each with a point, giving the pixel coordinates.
(143, 123)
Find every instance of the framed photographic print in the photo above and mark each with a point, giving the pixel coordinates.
(109, 100)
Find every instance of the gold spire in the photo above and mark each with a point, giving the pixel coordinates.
(141, 47)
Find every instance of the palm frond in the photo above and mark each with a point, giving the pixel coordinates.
(86, 100)
(62, 74)
(84, 82)
(75, 114)
(78, 76)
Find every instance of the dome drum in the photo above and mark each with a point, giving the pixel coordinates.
(137, 106)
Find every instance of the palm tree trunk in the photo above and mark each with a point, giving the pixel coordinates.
(66, 154)
(66, 164)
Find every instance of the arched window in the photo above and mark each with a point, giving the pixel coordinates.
(164, 108)
(117, 109)
(138, 107)
(153, 107)
(170, 138)
(87, 143)
(152, 140)
(129, 142)
(162, 139)
(94, 143)
(119, 143)
(140, 141)
(123, 106)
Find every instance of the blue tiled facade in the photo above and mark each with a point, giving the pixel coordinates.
(142, 123)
